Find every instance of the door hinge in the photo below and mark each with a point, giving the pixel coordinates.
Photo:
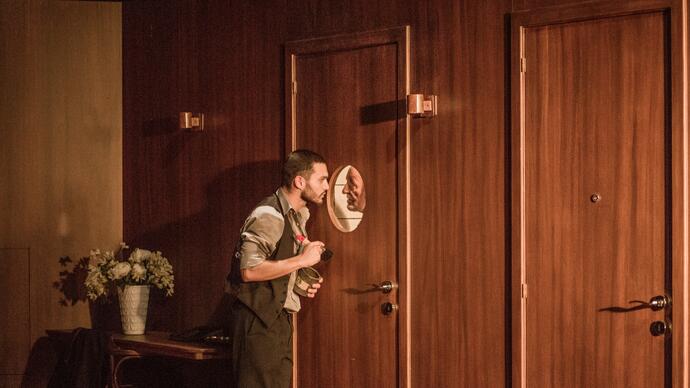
(523, 291)
(294, 87)
(523, 65)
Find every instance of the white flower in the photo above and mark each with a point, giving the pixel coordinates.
(139, 255)
(120, 270)
(138, 272)
(95, 283)
(143, 267)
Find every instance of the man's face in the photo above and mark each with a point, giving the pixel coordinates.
(316, 184)
(354, 189)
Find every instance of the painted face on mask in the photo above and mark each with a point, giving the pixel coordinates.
(354, 190)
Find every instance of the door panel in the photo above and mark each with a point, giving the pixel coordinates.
(595, 206)
(346, 108)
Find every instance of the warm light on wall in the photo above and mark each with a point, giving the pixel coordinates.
(192, 122)
(420, 105)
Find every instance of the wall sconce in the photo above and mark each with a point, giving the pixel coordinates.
(420, 105)
(192, 122)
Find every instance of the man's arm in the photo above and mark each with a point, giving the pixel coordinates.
(272, 269)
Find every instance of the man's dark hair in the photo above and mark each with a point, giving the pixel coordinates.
(299, 162)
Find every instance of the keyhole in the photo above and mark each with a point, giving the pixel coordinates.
(658, 328)
(388, 308)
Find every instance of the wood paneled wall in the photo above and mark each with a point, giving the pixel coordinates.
(187, 193)
(15, 338)
(60, 167)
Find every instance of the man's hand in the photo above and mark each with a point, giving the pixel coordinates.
(313, 289)
(312, 253)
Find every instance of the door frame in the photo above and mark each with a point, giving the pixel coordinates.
(676, 12)
(400, 36)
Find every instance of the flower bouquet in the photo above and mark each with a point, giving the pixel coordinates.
(132, 277)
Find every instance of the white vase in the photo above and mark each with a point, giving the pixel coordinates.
(134, 304)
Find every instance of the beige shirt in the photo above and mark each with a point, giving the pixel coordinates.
(260, 235)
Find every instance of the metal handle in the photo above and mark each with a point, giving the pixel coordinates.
(658, 328)
(659, 302)
(388, 308)
(386, 286)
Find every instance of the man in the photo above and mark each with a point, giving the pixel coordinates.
(273, 245)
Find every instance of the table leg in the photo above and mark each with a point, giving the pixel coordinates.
(115, 363)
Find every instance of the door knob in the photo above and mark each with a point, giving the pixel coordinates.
(659, 302)
(658, 328)
(386, 286)
(388, 308)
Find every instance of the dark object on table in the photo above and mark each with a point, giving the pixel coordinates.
(204, 334)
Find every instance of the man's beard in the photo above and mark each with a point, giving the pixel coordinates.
(309, 196)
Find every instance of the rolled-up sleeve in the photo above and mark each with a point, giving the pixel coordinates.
(260, 234)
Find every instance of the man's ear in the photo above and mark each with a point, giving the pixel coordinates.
(299, 182)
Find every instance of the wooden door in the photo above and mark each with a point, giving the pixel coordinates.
(345, 100)
(594, 228)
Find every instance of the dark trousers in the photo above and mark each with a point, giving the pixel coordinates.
(261, 356)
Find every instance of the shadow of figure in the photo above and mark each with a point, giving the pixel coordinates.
(199, 246)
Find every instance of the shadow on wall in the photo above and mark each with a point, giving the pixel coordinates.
(199, 246)
(71, 282)
(104, 312)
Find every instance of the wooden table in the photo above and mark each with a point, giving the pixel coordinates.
(158, 344)
(152, 344)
